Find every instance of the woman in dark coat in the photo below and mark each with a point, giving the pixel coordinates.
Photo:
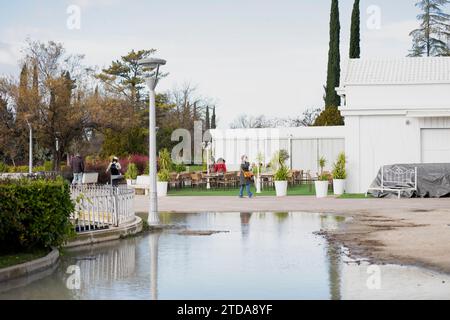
(245, 178)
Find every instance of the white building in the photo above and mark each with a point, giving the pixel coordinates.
(396, 111)
(305, 145)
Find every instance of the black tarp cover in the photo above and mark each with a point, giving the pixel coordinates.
(433, 181)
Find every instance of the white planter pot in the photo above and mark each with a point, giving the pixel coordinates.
(161, 189)
(131, 182)
(281, 188)
(339, 187)
(321, 189)
(258, 185)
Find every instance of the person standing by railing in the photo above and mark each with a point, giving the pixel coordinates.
(114, 168)
(77, 165)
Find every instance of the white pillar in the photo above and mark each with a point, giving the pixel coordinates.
(153, 218)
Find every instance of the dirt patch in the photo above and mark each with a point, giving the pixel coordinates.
(402, 237)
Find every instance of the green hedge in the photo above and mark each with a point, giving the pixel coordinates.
(34, 214)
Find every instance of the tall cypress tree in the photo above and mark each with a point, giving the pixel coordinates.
(355, 37)
(213, 119)
(208, 121)
(334, 58)
(23, 90)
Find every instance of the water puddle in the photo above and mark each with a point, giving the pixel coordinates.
(228, 256)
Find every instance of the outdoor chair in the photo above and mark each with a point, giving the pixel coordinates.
(227, 181)
(185, 180)
(298, 177)
(197, 180)
(175, 181)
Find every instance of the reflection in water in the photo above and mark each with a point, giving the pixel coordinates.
(245, 224)
(334, 256)
(334, 270)
(291, 263)
(154, 248)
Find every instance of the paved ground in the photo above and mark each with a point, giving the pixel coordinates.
(291, 204)
(406, 231)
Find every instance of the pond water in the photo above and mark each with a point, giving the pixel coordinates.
(259, 256)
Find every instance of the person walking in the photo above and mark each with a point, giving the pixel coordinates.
(77, 166)
(114, 168)
(245, 177)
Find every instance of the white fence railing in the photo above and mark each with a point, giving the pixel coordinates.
(100, 207)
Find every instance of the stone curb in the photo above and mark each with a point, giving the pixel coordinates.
(30, 267)
(94, 237)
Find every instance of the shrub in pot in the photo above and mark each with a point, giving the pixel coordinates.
(281, 181)
(339, 175)
(131, 174)
(282, 172)
(323, 180)
(163, 182)
(165, 164)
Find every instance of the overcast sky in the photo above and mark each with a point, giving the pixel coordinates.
(251, 56)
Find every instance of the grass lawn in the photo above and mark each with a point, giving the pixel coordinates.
(7, 260)
(301, 190)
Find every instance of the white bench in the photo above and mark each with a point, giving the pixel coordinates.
(142, 183)
(90, 178)
(397, 180)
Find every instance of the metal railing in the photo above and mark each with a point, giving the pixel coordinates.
(100, 207)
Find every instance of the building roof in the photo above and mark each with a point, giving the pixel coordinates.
(397, 71)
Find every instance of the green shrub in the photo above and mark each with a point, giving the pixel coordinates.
(179, 168)
(39, 169)
(48, 166)
(323, 176)
(132, 172)
(34, 214)
(282, 174)
(331, 116)
(339, 170)
(165, 160)
(4, 168)
(164, 176)
(19, 169)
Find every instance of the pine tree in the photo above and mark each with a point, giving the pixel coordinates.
(208, 122)
(431, 38)
(334, 58)
(213, 119)
(355, 37)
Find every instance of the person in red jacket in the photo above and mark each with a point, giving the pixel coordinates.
(220, 166)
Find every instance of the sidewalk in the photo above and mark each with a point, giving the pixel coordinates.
(290, 204)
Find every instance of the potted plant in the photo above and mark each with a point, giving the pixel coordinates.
(163, 182)
(281, 175)
(131, 174)
(165, 164)
(257, 172)
(339, 175)
(281, 181)
(323, 180)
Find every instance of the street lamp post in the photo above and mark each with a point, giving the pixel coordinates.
(150, 65)
(207, 147)
(30, 150)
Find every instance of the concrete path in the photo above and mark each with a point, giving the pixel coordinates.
(288, 204)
